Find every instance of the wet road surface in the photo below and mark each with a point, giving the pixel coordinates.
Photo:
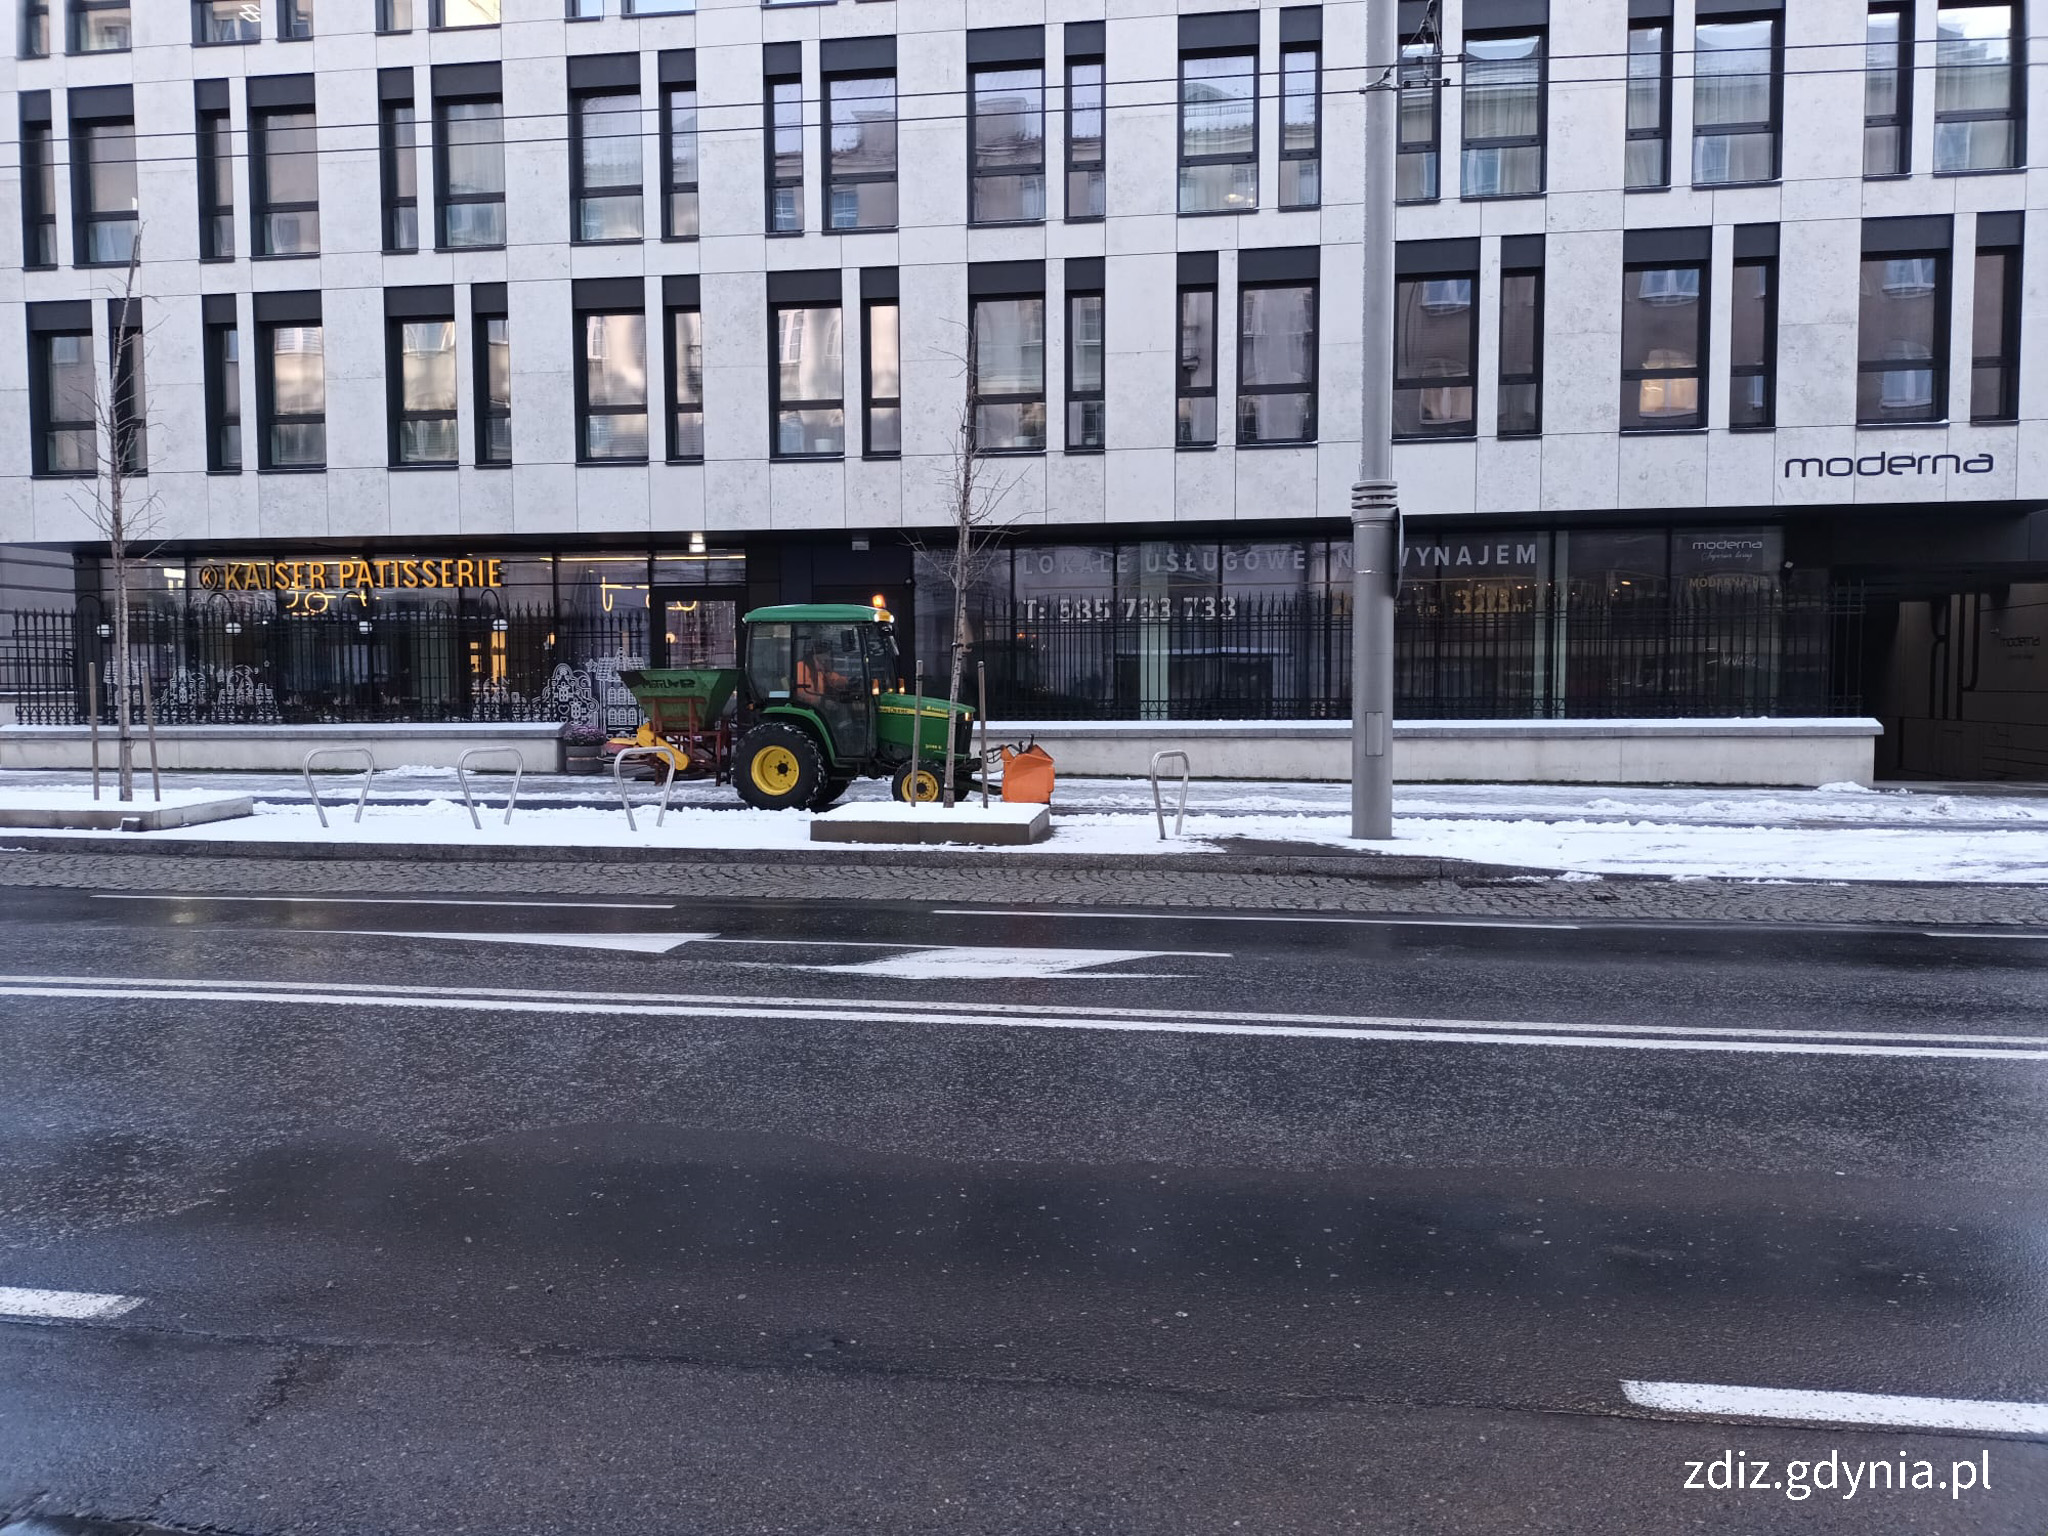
(532, 1214)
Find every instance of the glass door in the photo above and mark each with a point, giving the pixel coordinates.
(697, 626)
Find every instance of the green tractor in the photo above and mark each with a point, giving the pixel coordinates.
(822, 703)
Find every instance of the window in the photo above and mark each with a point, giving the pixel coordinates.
(1301, 126)
(399, 166)
(1753, 344)
(35, 29)
(679, 151)
(1976, 89)
(1503, 154)
(1735, 102)
(62, 400)
(1006, 349)
(1436, 354)
(292, 394)
(1520, 398)
(586, 10)
(103, 185)
(1648, 156)
(99, 26)
(216, 186)
(420, 363)
(686, 387)
(1006, 123)
(882, 391)
(469, 163)
(450, 14)
(660, 7)
(491, 338)
(226, 21)
(127, 401)
(1888, 89)
(1901, 338)
(1219, 133)
(294, 20)
(394, 15)
(1420, 123)
(607, 189)
(809, 405)
(1663, 345)
(1276, 364)
(1085, 422)
(785, 156)
(38, 195)
(1995, 327)
(612, 388)
(223, 365)
(284, 181)
(1195, 410)
(860, 152)
(1087, 182)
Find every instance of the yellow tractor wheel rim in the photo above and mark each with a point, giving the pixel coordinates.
(775, 770)
(922, 785)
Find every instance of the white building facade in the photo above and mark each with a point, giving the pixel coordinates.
(1711, 380)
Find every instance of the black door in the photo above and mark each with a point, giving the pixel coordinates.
(697, 626)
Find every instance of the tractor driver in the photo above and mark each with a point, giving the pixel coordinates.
(816, 681)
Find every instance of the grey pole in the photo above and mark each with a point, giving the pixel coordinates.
(1375, 507)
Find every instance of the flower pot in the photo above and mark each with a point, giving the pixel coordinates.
(582, 757)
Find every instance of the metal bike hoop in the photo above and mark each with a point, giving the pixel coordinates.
(362, 755)
(1180, 814)
(662, 754)
(462, 777)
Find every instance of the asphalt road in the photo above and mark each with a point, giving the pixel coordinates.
(531, 1213)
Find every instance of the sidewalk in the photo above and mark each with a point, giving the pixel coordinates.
(1837, 833)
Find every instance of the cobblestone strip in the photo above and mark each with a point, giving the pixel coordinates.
(1682, 900)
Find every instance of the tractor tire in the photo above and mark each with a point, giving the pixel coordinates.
(830, 792)
(777, 767)
(928, 790)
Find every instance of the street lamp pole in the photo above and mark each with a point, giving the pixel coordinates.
(1375, 506)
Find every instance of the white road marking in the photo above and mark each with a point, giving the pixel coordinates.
(396, 901)
(70, 1306)
(963, 963)
(634, 943)
(1249, 917)
(1979, 1417)
(1937, 933)
(922, 1012)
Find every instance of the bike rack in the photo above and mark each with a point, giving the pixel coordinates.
(1180, 815)
(462, 778)
(618, 778)
(355, 754)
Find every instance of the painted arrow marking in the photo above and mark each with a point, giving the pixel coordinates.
(634, 943)
(68, 1306)
(1890, 1410)
(976, 963)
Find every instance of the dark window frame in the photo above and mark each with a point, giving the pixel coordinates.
(443, 198)
(579, 192)
(38, 206)
(1900, 119)
(42, 423)
(215, 131)
(977, 397)
(1018, 171)
(1533, 376)
(294, 21)
(1776, 124)
(388, 17)
(1767, 369)
(1086, 397)
(488, 410)
(1313, 387)
(833, 180)
(437, 19)
(83, 220)
(1315, 152)
(775, 128)
(1702, 366)
(75, 12)
(1539, 140)
(1423, 62)
(127, 390)
(268, 417)
(395, 414)
(870, 401)
(223, 406)
(1182, 160)
(585, 411)
(777, 405)
(1422, 383)
(1938, 361)
(1184, 391)
(2016, 111)
(260, 206)
(398, 142)
(672, 375)
(2011, 335)
(1660, 132)
(1098, 168)
(34, 40)
(671, 189)
(203, 13)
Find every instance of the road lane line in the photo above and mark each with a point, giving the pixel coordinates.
(1937, 933)
(1892, 1412)
(1249, 917)
(630, 943)
(67, 1306)
(396, 901)
(919, 1008)
(898, 1014)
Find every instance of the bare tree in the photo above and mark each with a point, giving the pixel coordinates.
(112, 503)
(976, 488)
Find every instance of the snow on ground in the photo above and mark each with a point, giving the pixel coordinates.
(78, 797)
(1760, 835)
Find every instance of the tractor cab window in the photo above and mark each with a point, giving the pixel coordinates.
(769, 672)
(832, 678)
(885, 669)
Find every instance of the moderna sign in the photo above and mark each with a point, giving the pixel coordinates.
(1871, 464)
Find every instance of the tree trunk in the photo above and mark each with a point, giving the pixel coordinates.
(117, 548)
(962, 573)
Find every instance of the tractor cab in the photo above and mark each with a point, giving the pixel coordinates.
(822, 704)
